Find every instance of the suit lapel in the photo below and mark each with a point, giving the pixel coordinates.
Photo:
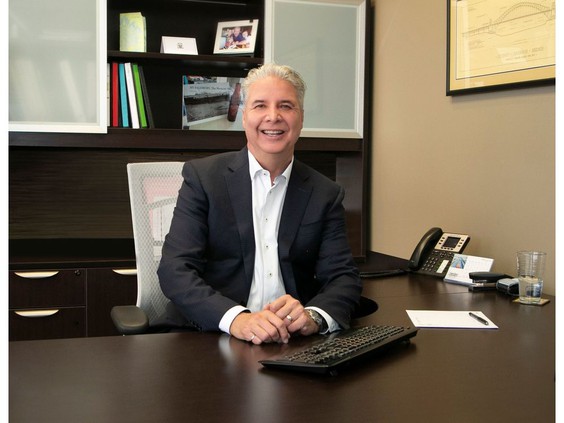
(297, 198)
(240, 193)
(295, 204)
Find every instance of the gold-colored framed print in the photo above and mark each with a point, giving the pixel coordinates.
(499, 44)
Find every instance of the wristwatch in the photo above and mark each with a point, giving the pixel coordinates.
(318, 319)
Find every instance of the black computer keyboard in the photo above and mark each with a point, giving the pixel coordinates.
(342, 348)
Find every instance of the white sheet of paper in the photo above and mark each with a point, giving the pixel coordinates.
(448, 319)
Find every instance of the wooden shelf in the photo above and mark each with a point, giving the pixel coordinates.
(208, 61)
(152, 3)
(167, 139)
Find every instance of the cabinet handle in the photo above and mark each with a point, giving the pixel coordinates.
(37, 313)
(36, 275)
(125, 272)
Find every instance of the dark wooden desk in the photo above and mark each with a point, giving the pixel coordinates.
(444, 375)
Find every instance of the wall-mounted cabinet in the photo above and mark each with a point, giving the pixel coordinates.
(57, 68)
(326, 42)
(73, 186)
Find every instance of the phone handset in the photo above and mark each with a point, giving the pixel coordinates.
(435, 252)
(424, 247)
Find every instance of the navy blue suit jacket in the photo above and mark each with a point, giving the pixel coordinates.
(208, 256)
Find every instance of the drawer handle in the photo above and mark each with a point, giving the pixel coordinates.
(36, 275)
(125, 272)
(37, 313)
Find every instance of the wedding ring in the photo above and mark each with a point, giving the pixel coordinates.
(289, 317)
(252, 337)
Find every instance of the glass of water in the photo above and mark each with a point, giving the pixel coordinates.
(530, 272)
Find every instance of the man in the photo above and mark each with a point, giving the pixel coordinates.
(238, 35)
(257, 246)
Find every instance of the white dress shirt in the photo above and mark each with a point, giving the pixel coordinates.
(268, 200)
(267, 284)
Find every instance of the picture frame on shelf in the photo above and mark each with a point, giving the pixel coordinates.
(499, 45)
(236, 37)
(211, 103)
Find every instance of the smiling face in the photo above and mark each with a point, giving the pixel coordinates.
(272, 119)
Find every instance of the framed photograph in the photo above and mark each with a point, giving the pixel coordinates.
(236, 37)
(211, 103)
(499, 44)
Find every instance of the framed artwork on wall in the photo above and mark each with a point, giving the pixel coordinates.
(499, 44)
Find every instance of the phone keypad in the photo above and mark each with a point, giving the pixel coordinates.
(435, 260)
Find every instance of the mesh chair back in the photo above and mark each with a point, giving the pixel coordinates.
(153, 190)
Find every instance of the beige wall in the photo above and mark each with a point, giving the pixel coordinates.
(481, 164)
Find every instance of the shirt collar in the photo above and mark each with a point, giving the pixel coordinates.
(254, 167)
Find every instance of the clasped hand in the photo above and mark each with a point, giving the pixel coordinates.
(274, 323)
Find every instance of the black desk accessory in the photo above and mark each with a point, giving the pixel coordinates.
(341, 349)
(492, 281)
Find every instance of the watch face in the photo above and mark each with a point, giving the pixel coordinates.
(316, 317)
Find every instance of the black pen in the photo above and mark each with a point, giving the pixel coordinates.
(478, 318)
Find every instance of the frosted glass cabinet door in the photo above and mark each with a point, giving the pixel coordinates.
(325, 42)
(57, 66)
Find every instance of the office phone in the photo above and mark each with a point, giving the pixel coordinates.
(435, 251)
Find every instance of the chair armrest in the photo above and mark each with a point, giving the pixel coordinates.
(129, 319)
